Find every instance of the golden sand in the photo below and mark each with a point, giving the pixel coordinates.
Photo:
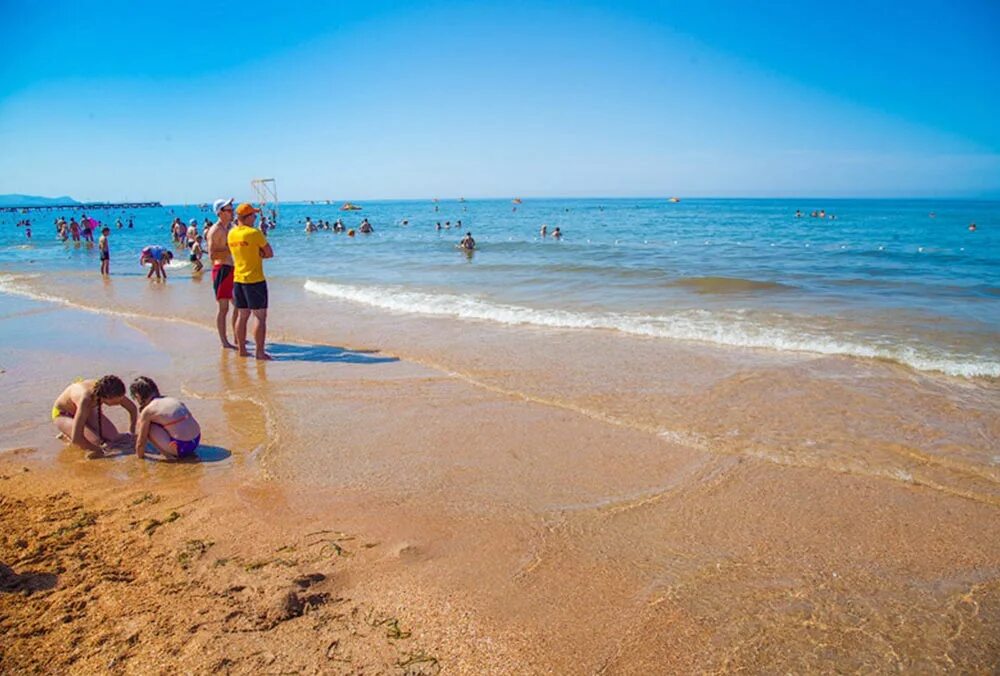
(496, 501)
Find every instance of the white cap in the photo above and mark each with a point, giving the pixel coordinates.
(218, 204)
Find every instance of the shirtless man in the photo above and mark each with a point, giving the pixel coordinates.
(222, 267)
(192, 233)
(78, 416)
(164, 421)
(467, 242)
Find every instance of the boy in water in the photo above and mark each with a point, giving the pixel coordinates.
(196, 252)
(164, 421)
(467, 242)
(102, 244)
(78, 415)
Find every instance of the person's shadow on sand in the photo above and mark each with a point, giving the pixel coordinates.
(325, 354)
(14, 583)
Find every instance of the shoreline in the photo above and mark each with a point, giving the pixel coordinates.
(522, 520)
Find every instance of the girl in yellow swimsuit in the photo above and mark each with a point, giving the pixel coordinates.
(78, 414)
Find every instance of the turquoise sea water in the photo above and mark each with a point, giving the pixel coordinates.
(890, 279)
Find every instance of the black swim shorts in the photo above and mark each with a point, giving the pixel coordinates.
(250, 296)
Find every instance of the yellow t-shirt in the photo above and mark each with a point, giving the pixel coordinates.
(245, 244)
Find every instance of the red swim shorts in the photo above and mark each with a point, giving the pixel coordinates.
(222, 281)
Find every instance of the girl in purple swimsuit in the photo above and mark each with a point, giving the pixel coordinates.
(164, 421)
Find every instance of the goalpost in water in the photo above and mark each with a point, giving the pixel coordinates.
(266, 191)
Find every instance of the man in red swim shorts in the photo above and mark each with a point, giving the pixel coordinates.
(222, 267)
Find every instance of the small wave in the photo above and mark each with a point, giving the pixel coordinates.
(721, 285)
(692, 325)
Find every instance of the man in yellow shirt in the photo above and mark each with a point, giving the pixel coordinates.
(249, 248)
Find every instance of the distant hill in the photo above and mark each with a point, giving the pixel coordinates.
(33, 201)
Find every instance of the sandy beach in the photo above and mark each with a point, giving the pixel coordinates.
(376, 504)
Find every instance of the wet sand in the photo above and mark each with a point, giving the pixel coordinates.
(490, 501)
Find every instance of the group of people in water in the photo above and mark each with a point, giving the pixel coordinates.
(338, 226)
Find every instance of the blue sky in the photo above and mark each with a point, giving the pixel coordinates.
(183, 102)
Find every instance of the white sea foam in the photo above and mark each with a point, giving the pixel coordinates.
(691, 325)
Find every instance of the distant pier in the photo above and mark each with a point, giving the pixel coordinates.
(89, 206)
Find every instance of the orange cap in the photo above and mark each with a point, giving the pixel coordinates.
(246, 209)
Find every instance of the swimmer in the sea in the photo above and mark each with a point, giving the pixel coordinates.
(467, 242)
(163, 421)
(557, 233)
(366, 227)
(972, 227)
(78, 415)
(544, 231)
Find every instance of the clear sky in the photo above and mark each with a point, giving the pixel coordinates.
(185, 101)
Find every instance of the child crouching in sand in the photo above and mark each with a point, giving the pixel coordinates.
(78, 415)
(164, 421)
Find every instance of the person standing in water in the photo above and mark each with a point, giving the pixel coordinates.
(249, 248)
(102, 244)
(222, 267)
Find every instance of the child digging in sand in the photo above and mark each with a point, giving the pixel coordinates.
(164, 421)
(78, 415)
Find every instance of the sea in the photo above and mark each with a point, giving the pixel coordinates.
(905, 281)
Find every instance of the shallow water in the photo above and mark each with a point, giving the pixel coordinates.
(883, 280)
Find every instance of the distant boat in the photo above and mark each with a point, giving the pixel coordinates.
(350, 207)
(674, 200)
(516, 200)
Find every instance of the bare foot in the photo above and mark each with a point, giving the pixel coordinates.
(244, 353)
(228, 346)
(63, 437)
(264, 356)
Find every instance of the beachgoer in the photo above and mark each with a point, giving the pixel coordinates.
(438, 227)
(157, 257)
(164, 421)
(544, 231)
(972, 227)
(249, 248)
(130, 223)
(192, 232)
(309, 225)
(74, 229)
(27, 229)
(366, 227)
(557, 233)
(467, 242)
(119, 224)
(196, 253)
(78, 415)
(102, 245)
(222, 267)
